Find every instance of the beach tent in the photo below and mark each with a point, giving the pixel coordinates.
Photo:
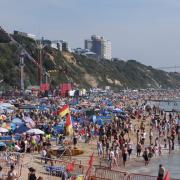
(35, 131)
(21, 129)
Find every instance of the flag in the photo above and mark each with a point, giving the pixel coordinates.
(90, 163)
(68, 125)
(70, 167)
(91, 160)
(64, 110)
(167, 176)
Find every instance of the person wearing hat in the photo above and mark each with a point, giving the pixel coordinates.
(32, 175)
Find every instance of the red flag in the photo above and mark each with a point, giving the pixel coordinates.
(70, 167)
(68, 120)
(167, 176)
(91, 160)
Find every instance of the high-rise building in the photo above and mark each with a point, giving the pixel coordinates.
(100, 46)
(88, 44)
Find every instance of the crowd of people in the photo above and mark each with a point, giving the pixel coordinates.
(122, 124)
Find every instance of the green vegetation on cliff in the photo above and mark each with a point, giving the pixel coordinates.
(83, 72)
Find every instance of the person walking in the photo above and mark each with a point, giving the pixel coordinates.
(145, 156)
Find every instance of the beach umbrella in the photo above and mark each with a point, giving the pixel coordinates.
(3, 130)
(2, 144)
(13, 126)
(17, 121)
(35, 131)
(21, 129)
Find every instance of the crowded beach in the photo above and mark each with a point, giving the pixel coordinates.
(95, 134)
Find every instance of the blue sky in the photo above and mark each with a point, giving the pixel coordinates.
(145, 30)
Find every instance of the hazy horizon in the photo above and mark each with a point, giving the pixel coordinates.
(144, 30)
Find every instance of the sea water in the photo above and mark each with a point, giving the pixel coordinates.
(166, 105)
(170, 162)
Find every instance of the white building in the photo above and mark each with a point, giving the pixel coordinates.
(100, 46)
(106, 50)
(56, 45)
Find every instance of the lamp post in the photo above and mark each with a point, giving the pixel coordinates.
(22, 71)
(40, 46)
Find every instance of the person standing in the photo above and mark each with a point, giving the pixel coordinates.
(145, 156)
(12, 174)
(130, 148)
(150, 136)
(100, 149)
(124, 155)
(75, 139)
(139, 148)
(161, 172)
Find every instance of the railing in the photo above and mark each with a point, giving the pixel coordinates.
(97, 178)
(78, 168)
(97, 172)
(134, 176)
(110, 174)
(6, 167)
